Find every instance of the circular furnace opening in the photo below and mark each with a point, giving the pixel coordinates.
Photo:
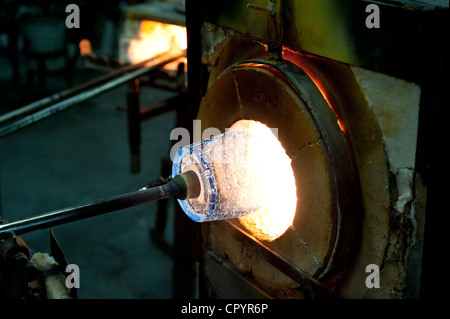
(275, 180)
(281, 95)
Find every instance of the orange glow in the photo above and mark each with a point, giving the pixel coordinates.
(322, 91)
(341, 126)
(277, 189)
(297, 60)
(85, 47)
(155, 38)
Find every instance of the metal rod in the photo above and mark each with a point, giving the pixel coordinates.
(66, 215)
(305, 281)
(134, 123)
(88, 91)
(36, 105)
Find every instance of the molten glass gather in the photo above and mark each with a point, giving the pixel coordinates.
(246, 174)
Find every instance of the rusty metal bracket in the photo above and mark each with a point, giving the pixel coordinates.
(306, 282)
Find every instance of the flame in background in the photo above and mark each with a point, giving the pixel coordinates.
(155, 38)
(85, 47)
(278, 191)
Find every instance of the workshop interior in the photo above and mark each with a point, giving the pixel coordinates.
(257, 149)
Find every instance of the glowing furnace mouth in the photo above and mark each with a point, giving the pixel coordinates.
(278, 197)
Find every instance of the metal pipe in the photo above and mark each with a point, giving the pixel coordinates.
(84, 92)
(67, 215)
(182, 186)
(36, 105)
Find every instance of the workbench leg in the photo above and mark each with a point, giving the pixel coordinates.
(134, 123)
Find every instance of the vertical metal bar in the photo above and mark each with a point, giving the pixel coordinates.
(134, 123)
(187, 233)
(161, 216)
